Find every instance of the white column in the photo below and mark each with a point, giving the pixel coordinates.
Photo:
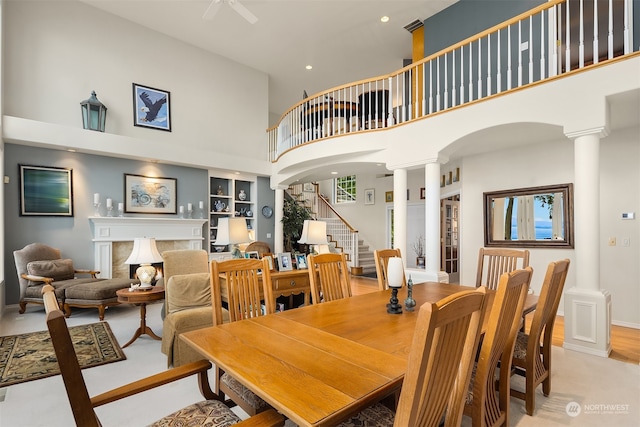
(587, 308)
(400, 211)
(432, 217)
(278, 231)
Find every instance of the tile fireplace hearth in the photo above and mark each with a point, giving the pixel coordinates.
(113, 239)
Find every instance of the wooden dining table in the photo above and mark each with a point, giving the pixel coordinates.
(321, 363)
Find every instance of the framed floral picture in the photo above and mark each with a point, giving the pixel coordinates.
(152, 195)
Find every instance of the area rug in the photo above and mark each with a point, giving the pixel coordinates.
(28, 357)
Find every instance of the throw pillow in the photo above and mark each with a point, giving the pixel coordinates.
(58, 269)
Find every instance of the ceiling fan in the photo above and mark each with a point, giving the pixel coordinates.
(213, 8)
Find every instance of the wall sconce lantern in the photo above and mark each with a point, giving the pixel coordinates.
(94, 113)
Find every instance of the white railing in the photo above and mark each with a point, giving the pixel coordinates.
(542, 43)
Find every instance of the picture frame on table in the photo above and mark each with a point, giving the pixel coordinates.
(284, 262)
(252, 255)
(151, 107)
(46, 191)
(370, 196)
(301, 261)
(269, 258)
(151, 195)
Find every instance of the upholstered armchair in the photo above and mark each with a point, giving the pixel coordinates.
(38, 265)
(187, 302)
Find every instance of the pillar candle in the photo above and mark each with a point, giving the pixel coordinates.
(201, 204)
(181, 209)
(96, 198)
(109, 203)
(189, 207)
(120, 206)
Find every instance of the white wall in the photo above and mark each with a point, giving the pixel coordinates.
(57, 52)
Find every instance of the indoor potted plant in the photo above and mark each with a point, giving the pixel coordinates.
(294, 213)
(418, 248)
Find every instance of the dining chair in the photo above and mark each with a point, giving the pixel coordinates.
(483, 404)
(329, 277)
(381, 258)
(531, 359)
(246, 284)
(439, 365)
(493, 262)
(212, 412)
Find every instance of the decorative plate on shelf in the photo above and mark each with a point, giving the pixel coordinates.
(267, 211)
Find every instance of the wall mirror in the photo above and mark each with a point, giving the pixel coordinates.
(529, 217)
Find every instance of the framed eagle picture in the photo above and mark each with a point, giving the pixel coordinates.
(151, 108)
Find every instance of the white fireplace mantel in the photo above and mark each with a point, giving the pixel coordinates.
(107, 230)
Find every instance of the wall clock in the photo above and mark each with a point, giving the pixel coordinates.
(267, 211)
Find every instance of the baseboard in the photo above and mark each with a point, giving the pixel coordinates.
(626, 324)
(581, 349)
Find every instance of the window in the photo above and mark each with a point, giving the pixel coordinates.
(345, 189)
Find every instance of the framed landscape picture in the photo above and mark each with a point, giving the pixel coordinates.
(152, 195)
(45, 191)
(151, 108)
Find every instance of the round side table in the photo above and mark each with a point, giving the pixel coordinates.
(125, 296)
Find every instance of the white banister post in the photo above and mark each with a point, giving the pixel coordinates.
(587, 307)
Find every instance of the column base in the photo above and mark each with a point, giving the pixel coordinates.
(419, 275)
(587, 321)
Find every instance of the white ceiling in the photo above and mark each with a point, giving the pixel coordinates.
(343, 40)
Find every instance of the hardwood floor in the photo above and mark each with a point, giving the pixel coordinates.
(625, 342)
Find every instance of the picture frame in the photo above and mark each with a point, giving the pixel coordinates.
(46, 191)
(422, 193)
(150, 195)
(269, 258)
(370, 196)
(151, 107)
(252, 255)
(388, 196)
(301, 261)
(284, 262)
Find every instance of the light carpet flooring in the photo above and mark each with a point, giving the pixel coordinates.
(607, 391)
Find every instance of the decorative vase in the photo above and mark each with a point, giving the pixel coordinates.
(220, 191)
(242, 195)
(420, 262)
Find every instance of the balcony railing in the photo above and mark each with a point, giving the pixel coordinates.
(554, 39)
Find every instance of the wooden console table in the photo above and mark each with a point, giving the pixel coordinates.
(286, 283)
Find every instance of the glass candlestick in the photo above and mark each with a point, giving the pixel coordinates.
(109, 210)
(410, 303)
(96, 209)
(190, 213)
(120, 212)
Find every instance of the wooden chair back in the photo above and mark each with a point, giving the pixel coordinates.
(246, 283)
(77, 393)
(537, 361)
(493, 262)
(497, 346)
(329, 277)
(442, 352)
(382, 261)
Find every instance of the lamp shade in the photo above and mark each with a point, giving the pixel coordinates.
(94, 113)
(144, 251)
(314, 233)
(232, 231)
(395, 272)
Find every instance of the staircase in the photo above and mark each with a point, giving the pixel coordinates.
(365, 258)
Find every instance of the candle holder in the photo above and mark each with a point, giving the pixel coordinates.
(201, 216)
(394, 307)
(96, 209)
(190, 213)
(110, 211)
(120, 212)
(410, 303)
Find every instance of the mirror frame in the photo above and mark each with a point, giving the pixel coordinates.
(567, 194)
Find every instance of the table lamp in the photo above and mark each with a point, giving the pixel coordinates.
(232, 231)
(315, 233)
(395, 277)
(144, 253)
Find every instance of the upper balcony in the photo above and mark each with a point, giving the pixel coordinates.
(555, 40)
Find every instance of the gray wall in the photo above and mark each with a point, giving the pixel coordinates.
(91, 174)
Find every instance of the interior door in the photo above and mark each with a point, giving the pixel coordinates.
(449, 215)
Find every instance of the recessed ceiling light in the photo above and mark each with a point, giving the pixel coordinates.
(334, 173)
(71, 150)
(384, 19)
(308, 67)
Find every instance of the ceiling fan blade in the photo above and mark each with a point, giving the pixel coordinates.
(211, 11)
(243, 11)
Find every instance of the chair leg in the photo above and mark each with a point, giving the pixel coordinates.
(23, 307)
(530, 395)
(546, 386)
(101, 310)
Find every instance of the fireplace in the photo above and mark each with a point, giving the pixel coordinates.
(113, 239)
